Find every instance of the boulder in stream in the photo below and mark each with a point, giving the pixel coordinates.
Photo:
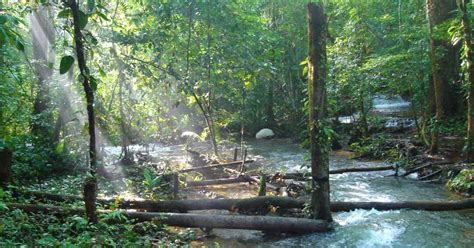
(265, 133)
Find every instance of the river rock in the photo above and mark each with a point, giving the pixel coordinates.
(265, 133)
(190, 136)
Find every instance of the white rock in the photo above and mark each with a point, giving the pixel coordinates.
(265, 134)
(188, 135)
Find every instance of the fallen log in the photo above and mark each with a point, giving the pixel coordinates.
(279, 202)
(430, 175)
(293, 176)
(219, 181)
(261, 223)
(302, 176)
(215, 166)
(362, 169)
(43, 196)
(425, 166)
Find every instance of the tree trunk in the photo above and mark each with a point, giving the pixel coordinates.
(211, 124)
(469, 78)
(264, 202)
(299, 176)
(317, 104)
(205, 109)
(219, 181)
(5, 167)
(127, 158)
(442, 63)
(90, 186)
(270, 115)
(262, 223)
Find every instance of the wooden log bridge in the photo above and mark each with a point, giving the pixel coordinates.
(219, 181)
(261, 223)
(261, 202)
(250, 179)
(215, 166)
(294, 176)
(305, 176)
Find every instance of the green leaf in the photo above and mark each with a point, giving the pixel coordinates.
(83, 19)
(101, 72)
(65, 64)
(103, 16)
(305, 71)
(60, 147)
(20, 46)
(64, 13)
(93, 83)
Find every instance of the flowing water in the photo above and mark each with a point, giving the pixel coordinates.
(358, 228)
(361, 228)
(394, 111)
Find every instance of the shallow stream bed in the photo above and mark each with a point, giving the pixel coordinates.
(361, 228)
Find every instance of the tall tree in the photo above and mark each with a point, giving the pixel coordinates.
(442, 56)
(90, 185)
(205, 105)
(469, 75)
(317, 33)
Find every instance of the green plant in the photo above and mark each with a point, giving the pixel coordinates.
(156, 185)
(462, 182)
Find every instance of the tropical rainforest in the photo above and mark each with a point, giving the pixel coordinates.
(236, 123)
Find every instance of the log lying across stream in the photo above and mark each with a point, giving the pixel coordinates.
(416, 169)
(263, 202)
(215, 166)
(294, 176)
(262, 223)
(219, 181)
(250, 179)
(303, 176)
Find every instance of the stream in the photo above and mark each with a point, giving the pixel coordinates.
(362, 228)
(359, 228)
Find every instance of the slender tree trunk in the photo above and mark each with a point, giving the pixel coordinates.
(316, 89)
(205, 109)
(211, 125)
(270, 115)
(127, 158)
(90, 186)
(469, 77)
(438, 11)
(363, 117)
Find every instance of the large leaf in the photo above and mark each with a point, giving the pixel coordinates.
(64, 13)
(20, 46)
(65, 64)
(93, 83)
(83, 19)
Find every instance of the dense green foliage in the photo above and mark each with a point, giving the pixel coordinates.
(159, 68)
(154, 62)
